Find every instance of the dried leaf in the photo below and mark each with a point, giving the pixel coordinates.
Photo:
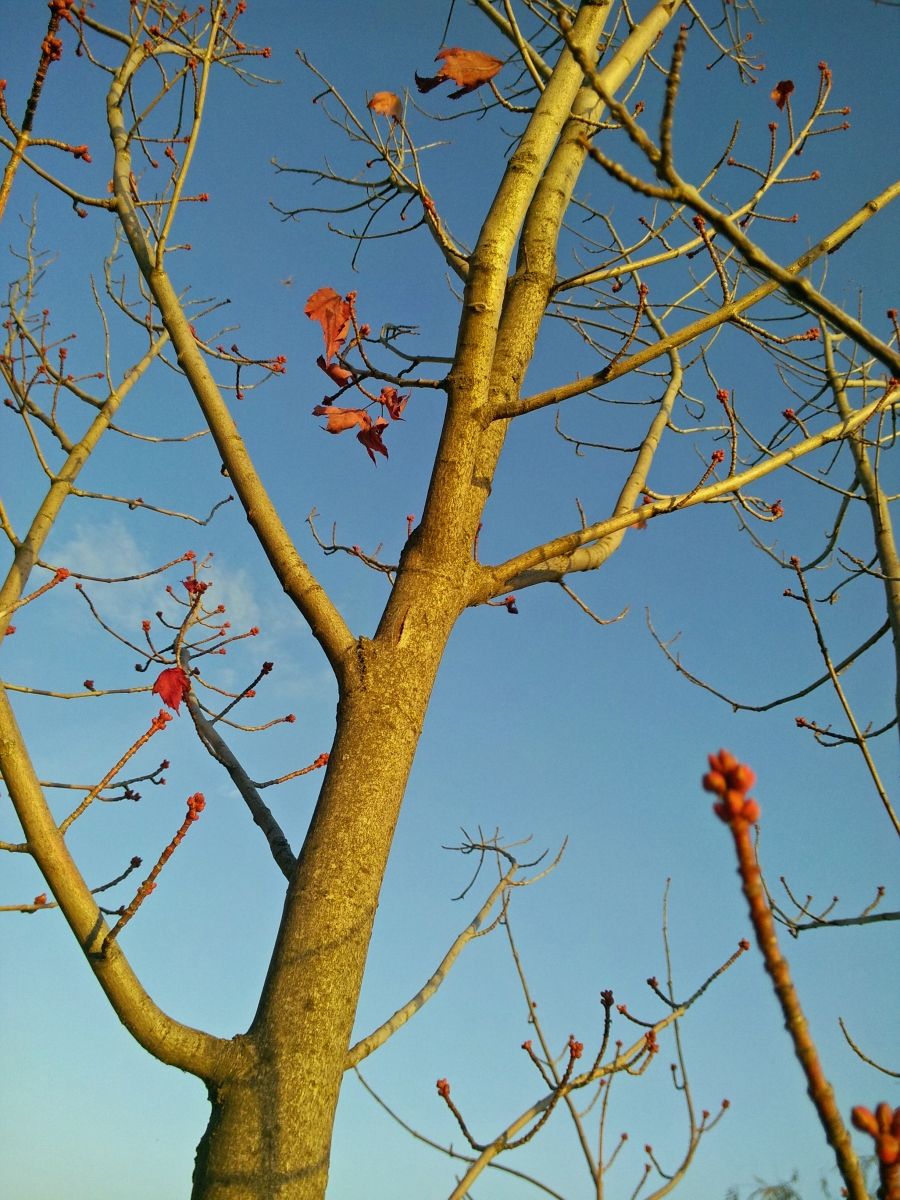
(393, 402)
(370, 436)
(340, 375)
(333, 314)
(370, 431)
(469, 68)
(388, 104)
(781, 91)
(172, 687)
(340, 419)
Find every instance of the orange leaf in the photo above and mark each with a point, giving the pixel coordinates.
(172, 686)
(393, 402)
(340, 419)
(781, 91)
(388, 104)
(333, 314)
(40, 900)
(370, 436)
(469, 68)
(340, 375)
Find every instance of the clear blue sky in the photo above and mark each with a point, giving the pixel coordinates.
(544, 725)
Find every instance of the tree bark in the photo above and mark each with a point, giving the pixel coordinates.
(263, 1140)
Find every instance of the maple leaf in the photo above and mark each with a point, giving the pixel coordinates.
(781, 92)
(370, 431)
(333, 314)
(172, 687)
(388, 104)
(340, 419)
(370, 436)
(469, 68)
(335, 372)
(393, 402)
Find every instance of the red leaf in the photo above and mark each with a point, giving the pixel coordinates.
(469, 68)
(388, 104)
(40, 900)
(781, 91)
(172, 687)
(333, 314)
(340, 419)
(393, 402)
(335, 372)
(370, 436)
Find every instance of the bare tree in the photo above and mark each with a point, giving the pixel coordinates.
(577, 83)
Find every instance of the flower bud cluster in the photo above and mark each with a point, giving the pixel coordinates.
(730, 780)
(196, 805)
(884, 1126)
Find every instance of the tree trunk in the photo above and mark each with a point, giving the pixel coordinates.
(270, 1130)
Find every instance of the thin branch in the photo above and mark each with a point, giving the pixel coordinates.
(259, 810)
(367, 1045)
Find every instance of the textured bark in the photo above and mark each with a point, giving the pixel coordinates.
(270, 1133)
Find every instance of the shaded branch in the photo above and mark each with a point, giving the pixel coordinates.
(259, 810)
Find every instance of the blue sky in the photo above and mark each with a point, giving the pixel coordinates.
(544, 725)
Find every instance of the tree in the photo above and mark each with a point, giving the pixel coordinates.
(575, 83)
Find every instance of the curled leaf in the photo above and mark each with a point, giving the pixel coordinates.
(388, 104)
(469, 68)
(340, 419)
(332, 312)
(393, 402)
(338, 374)
(370, 431)
(781, 92)
(370, 436)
